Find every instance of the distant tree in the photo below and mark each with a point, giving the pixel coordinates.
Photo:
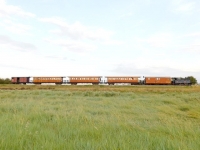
(5, 81)
(193, 80)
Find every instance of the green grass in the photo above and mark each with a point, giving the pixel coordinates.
(99, 117)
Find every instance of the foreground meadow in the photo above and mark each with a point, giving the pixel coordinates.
(99, 117)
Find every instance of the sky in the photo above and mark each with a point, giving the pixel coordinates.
(104, 38)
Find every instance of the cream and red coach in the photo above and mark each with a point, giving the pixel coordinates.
(84, 79)
(40, 80)
(133, 80)
(157, 80)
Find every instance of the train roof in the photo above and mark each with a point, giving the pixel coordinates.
(84, 76)
(47, 76)
(122, 76)
(157, 77)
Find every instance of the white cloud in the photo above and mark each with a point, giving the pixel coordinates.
(13, 27)
(113, 42)
(7, 10)
(145, 66)
(8, 43)
(159, 40)
(71, 45)
(193, 48)
(194, 34)
(77, 30)
(126, 15)
(183, 6)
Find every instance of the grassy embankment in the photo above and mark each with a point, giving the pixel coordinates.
(99, 117)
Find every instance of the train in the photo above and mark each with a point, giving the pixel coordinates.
(103, 80)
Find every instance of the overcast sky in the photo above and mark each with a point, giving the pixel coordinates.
(115, 37)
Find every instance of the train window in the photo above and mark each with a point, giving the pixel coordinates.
(148, 78)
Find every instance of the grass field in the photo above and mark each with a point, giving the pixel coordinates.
(99, 117)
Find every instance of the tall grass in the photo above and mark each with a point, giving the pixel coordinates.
(87, 118)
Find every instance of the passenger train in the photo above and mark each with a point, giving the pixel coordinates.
(103, 80)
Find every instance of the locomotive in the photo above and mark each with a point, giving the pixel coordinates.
(103, 80)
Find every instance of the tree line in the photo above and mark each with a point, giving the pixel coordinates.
(5, 81)
(193, 80)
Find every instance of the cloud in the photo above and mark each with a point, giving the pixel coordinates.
(7, 10)
(191, 48)
(194, 34)
(7, 42)
(126, 15)
(72, 45)
(77, 30)
(156, 68)
(13, 27)
(183, 6)
(159, 40)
